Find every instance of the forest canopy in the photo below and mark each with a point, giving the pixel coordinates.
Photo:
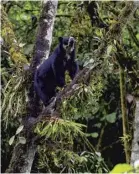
(90, 121)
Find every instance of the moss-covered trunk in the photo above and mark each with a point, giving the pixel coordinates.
(23, 154)
(135, 142)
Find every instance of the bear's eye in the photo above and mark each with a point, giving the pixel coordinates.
(65, 43)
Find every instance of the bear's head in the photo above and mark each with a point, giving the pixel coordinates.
(67, 45)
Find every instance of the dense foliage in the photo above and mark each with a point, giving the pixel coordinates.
(89, 131)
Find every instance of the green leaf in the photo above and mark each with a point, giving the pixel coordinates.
(121, 168)
(19, 129)
(11, 140)
(22, 140)
(137, 36)
(98, 125)
(28, 49)
(109, 49)
(115, 42)
(111, 118)
(93, 135)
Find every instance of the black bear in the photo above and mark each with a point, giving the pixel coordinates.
(51, 72)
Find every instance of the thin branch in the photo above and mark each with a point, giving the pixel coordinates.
(110, 145)
(64, 15)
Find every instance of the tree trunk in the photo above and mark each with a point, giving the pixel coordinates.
(23, 154)
(135, 142)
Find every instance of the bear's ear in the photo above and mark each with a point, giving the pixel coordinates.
(60, 39)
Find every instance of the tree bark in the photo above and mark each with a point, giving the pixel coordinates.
(135, 142)
(23, 154)
(41, 50)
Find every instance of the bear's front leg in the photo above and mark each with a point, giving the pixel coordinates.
(59, 73)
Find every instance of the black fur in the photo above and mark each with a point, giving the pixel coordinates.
(51, 72)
